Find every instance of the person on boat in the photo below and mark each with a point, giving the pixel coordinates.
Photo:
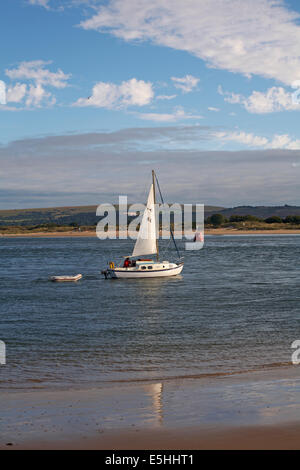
(127, 263)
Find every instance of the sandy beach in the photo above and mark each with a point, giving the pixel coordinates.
(255, 410)
(275, 437)
(217, 231)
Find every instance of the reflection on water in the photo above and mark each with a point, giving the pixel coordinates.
(155, 392)
(150, 291)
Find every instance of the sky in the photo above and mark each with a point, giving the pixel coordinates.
(96, 93)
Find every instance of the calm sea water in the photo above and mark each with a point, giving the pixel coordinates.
(234, 308)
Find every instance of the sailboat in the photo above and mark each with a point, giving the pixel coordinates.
(136, 266)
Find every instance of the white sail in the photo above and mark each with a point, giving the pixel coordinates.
(146, 240)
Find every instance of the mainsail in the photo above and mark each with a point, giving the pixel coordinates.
(146, 240)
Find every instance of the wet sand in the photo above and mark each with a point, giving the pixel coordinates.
(280, 437)
(254, 410)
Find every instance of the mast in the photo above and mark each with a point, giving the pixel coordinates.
(153, 182)
(162, 200)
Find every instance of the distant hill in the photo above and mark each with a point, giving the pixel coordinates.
(81, 215)
(258, 211)
(86, 215)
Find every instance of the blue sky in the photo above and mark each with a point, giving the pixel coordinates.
(99, 92)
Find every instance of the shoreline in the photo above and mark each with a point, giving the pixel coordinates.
(256, 411)
(206, 232)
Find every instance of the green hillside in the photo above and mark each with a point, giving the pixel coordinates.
(81, 215)
(86, 215)
(262, 212)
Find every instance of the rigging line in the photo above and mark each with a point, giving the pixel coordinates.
(165, 250)
(171, 231)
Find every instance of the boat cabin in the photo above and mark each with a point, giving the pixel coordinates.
(146, 264)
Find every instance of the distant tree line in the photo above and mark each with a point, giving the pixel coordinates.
(219, 219)
(90, 221)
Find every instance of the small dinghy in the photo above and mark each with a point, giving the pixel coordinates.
(66, 278)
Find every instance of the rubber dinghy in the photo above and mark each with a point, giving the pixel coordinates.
(66, 278)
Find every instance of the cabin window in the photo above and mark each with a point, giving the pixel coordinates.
(143, 267)
(149, 267)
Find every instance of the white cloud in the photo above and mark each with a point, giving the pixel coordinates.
(260, 37)
(243, 137)
(16, 93)
(42, 3)
(35, 70)
(273, 100)
(185, 84)
(109, 95)
(230, 97)
(211, 108)
(34, 93)
(178, 115)
(166, 97)
(136, 92)
(282, 141)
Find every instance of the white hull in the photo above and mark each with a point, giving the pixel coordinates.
(123, 273)
(66, 278)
